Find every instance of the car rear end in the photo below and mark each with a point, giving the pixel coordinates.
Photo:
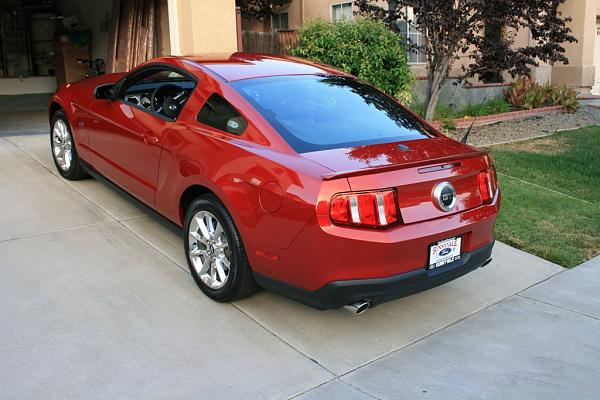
(404, 208)
(386, 236)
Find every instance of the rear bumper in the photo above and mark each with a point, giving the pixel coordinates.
(340, 293)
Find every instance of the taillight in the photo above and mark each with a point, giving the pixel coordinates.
(488, 185)
(369, 209)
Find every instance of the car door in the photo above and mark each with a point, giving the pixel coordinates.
(127, 133)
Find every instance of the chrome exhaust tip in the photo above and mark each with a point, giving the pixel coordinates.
(358, 307)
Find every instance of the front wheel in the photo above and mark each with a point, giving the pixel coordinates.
(215, 252)
(65, 156)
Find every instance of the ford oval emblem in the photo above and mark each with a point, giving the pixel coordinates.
(403, 147)
(444, 196)
(445, 251)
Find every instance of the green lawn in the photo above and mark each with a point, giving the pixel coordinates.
(551, 195)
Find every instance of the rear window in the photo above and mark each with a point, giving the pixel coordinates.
(315, 113)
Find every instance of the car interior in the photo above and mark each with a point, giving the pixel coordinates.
(162, 92)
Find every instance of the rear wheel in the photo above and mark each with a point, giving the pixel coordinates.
(215, 252)
(63, 149)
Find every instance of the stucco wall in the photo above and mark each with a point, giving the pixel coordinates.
(579, 73)
(458, 94)
(299, 11)
(206, 27)
(321, 8)
(295, 13)
(29, 85)
(27, 94)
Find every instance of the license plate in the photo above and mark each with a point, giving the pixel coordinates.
(444, 252)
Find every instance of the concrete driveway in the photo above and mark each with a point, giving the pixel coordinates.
(96, 302)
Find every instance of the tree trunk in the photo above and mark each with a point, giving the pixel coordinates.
(433, 96)
(392, 5)
(436, 76)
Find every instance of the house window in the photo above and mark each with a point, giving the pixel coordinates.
(280, 21)
(341, 11)
(410, 32)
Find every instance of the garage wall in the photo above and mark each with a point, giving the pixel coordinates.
(27, 94)
(93, 14)
(206, 27)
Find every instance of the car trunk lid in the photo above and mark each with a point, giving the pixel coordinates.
(414, 169)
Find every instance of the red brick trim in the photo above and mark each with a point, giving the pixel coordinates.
(588, 97)
(509, 116)
(485, 85)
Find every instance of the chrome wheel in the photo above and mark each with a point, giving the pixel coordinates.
(209, 249)
(62, 145)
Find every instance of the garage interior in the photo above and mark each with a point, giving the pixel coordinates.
(44, 43)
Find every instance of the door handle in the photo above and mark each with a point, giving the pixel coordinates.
(150, 139)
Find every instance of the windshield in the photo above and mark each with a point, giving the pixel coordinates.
(325, 112)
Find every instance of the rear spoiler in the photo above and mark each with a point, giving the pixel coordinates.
(394, 167)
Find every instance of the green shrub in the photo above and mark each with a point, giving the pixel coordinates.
(490, 107)
(364, 48)
(567, 98)
(444, 113)
(515, 93)
(447, 125)
(526, 94)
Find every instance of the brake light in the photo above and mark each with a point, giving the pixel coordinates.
(488, 185)
(376, 209)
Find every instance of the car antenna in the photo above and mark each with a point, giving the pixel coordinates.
(466, 137)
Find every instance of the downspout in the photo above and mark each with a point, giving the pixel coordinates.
(238, 28)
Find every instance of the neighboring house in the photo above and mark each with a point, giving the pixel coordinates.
(582, 72)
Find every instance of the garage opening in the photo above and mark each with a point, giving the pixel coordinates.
(44, 43)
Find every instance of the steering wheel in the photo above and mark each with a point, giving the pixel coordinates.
(168, 99)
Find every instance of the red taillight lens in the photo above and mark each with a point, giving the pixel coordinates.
(488, 185)
(369, 209)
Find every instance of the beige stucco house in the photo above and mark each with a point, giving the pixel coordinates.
(188, 27)
(582, 72)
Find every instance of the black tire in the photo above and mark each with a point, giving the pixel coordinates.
(75, 170)
(240, 282)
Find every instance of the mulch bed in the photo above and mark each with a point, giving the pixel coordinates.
(530, 127)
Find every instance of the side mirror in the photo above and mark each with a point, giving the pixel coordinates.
(108, 91)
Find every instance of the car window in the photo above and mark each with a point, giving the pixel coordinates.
(163, 76)
(315, 113)
(158, 90)
(218, 113)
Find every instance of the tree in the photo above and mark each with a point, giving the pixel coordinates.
(484, 30)
(259, 9)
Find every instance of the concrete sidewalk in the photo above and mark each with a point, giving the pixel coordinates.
(96, 302)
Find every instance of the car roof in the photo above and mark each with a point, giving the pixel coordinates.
(238, 66)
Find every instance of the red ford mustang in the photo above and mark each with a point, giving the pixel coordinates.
(284, 174)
